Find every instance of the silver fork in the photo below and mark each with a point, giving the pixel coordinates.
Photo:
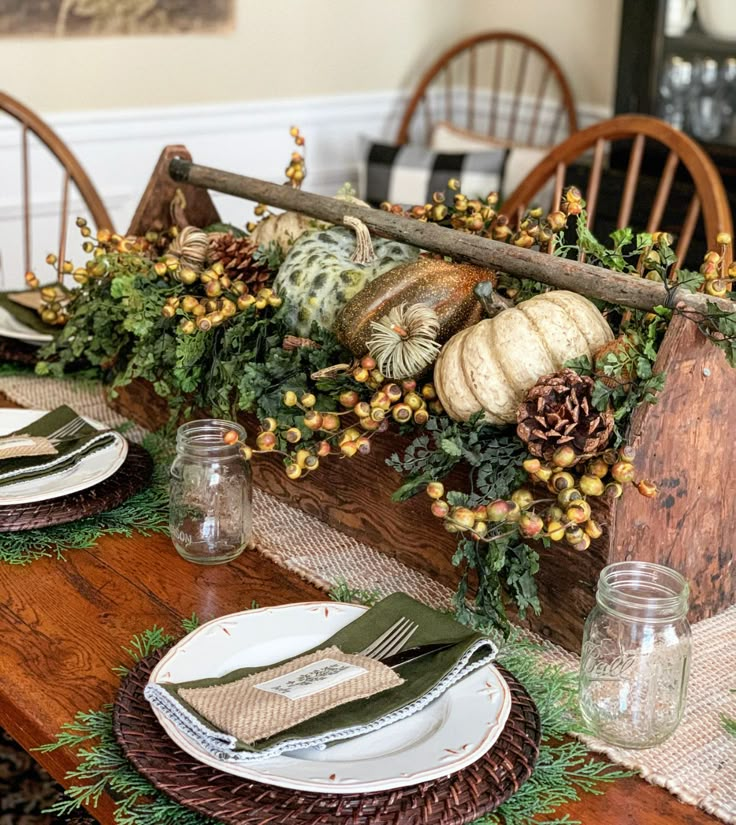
(68, 431)
(391, 641)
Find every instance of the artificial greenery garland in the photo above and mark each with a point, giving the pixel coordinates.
(128, 322)
(564, 770)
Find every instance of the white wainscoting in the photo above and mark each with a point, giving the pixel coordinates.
(119, 148)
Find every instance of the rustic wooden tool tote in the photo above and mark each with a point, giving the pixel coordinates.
(683, 441)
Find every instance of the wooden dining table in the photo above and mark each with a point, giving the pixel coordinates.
(63, 624)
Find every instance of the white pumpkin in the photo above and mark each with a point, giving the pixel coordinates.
(282, 229)
(287, 227)
(491, 365)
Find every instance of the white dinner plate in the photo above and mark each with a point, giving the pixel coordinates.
(88, 471)
(453, 731)
(10, 327)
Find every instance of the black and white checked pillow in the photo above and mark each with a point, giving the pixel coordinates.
(409, 174)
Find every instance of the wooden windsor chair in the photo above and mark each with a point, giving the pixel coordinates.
(704, 193)
(72, 175)
(476, 82)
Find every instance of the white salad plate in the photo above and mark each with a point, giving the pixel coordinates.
(10, 327)
(88, 471)
(450, 733)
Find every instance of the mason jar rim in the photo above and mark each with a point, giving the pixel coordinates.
(663, 597)
(203, 437)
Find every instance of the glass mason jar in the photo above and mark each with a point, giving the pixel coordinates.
(210, 494)
(636, 655)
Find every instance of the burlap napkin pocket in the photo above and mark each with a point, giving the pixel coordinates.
(270, 701)
(21, 446)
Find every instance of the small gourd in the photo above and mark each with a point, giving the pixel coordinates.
(325, 269)
(491, 365)
(284, 229)
(444, 286)
(287, 227)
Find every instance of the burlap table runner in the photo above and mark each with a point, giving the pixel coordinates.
(697, 764)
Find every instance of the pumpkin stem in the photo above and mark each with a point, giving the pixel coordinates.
(333, 371)
(292, 342)
(490, 300)
(364, 252)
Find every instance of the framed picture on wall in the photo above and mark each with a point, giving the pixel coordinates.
(75, 18)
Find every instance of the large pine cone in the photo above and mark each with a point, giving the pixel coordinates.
(558, 411)
(236, 255)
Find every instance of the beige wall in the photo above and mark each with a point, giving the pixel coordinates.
(296, 48)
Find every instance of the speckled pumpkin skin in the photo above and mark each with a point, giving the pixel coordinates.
(317, 277)
(445, 286)
(492, 365)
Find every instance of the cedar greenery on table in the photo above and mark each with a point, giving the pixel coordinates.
(564, 770)
(146, 512)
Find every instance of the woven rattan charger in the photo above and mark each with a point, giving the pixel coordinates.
(133, 476)
(18, 352)
(455, 800)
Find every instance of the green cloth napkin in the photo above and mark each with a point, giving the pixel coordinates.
(85, 441)
(24, 315)
(423, 678)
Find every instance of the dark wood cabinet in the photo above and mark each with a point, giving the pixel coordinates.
(645, 49)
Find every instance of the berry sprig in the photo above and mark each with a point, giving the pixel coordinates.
(52, 307)
(479, 216)
(225, 300)
(567, 516)
(718, 279)
(341, 433)
(295, 173)
(296, 170)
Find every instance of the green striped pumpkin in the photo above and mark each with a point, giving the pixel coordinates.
(317, 277)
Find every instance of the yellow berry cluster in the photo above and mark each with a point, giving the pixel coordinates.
(52, 308)
(296, 170)
(567, 517)
(718, 279)
(204, 313)
(345, 432)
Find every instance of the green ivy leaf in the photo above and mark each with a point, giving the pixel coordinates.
(451, 447)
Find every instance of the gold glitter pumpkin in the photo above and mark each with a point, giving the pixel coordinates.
(444, 286)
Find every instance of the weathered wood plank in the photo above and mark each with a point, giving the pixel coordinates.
(684, 445)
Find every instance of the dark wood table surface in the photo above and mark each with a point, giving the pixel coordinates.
(63, 623)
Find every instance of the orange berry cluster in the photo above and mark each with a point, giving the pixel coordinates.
(479, 217)
(567, 517)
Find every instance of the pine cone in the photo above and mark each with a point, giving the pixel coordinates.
(236, 255)
(558, 410)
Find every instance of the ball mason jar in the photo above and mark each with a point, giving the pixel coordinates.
(635, 658)
(210, 491)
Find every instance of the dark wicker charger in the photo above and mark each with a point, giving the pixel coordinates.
(455, 800)
(133, 476)
(18, 352)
